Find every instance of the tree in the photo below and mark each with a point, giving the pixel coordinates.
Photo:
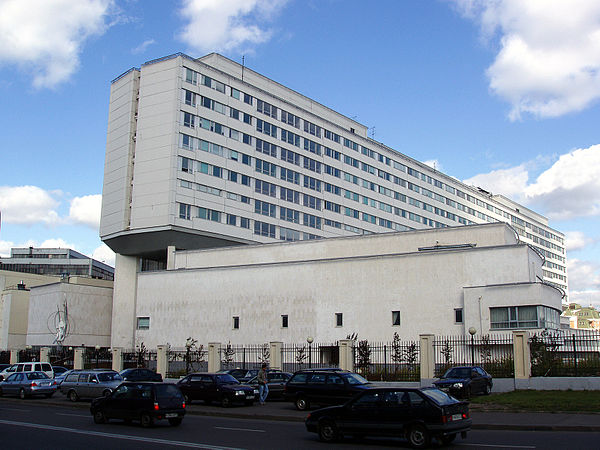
(228, 354)
(193, 354)
(364, 356)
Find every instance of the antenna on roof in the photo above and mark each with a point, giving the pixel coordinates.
(243, 60)
(372, 132)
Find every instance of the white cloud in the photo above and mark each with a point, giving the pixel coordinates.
(45, 37)
(5, 247)
(105, 255)
(26, 205)
(434, 164)
(143, 46)
(508, 182)
(576, 240)
(226, 25)
(548, 63)
(86, 210)
(584, 282)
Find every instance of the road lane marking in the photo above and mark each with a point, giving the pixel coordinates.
(117, 436)
(74, 415)
(240, 429)
(495, 445)
(15, 409)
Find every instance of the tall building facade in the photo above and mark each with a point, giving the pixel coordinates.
(207, 153)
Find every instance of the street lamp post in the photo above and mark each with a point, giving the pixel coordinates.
(310, 341)
(472, 332)
(97, 351)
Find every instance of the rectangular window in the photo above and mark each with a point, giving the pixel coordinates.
(143, 323)
(290, 138)
(244, 222)
(236, 322)
(184, 211)
(284, 321)
(339, 320)
(290, 156)
(231, 219)
(395, 318)
(290, 119)
(264, 229)
(458, 315)
(311, 128)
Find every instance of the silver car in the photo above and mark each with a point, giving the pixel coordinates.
(90, 384)
(26, 384)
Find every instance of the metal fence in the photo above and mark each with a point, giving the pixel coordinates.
(5, 357)
(61, 356)
(244, 356)
(562, 355)
(314, 355)
(98, 358)
(492, 352)
(139, 357)
(182, 361)
(392, 361)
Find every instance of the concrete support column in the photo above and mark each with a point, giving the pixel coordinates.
(522, 352)
(124, 302)
(162, 363)
(170, 257)
(346, 354)
(214, 359)
(427, 358)
(276, 355)
(78, 358)
(14, 356)
(117, 359)
(45, 354)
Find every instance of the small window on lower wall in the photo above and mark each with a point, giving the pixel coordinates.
(339, 319)
(143, 323)
(395, 318)
(458, 315)
(236, 322)
(284, 321)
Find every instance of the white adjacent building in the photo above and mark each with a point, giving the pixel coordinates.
(204, 153)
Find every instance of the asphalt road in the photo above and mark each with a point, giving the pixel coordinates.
(27, 425)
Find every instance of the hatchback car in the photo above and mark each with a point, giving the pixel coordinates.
(140, 375)
(143, 401)
(415, 414)
(216, 387)
(90, 384)
(27, 384)
(465, 381)
(328, 387)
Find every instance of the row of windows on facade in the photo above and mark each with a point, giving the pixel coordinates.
(314, 130)
(508, 317)
(192, 143)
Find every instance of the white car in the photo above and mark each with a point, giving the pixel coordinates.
(28, 367)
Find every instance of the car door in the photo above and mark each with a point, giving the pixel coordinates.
(93, 386)
(194, 388)
(477, 381)
(336, 391)
(397, 411)
(82, 385)
(315, 388)
(276, 382)
(210, 388)
(116, 405)
(361, 416)
(11, 385)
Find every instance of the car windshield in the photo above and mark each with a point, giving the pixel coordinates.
(109, 376)
(439, 397)
(354, 379)
(37, 376)
(226, 379)
(458, 372)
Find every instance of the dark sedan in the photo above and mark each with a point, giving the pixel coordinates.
(275, 381)
(465, 381)
(140, 375)
(415, 414)
(216, 387)
(27, 384)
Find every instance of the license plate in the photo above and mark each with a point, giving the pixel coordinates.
(170, 415)
(456, 416)
(249, 396)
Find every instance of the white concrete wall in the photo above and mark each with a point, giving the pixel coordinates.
(89, 314)
(124, 302)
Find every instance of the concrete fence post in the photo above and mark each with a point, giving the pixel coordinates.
(162, 363)
(14, 356)
(522, 352)
(427, 358)
(346, 354)
(78, 358)
(117, 359)
(214, 359)
(45, 354)
(276, 355)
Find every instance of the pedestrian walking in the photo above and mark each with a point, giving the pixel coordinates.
(263, 387)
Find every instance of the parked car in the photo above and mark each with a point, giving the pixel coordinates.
(216, 387)
(140, 375)
(28, 367)
(59, 370)
(61, 376)
(416, 414)
(143, 401)
(464, 381)
(323, 387)
(275, 381)
(243, 375)
(90, 384)
(27, 384)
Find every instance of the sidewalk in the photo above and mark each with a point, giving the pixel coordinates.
(285, 411)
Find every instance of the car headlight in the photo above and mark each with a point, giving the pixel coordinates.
(457, 385)
(256, 391)
(239, 392)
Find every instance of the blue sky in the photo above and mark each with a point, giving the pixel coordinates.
(502, 94)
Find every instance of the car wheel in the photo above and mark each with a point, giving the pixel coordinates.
(146, 420)
(418, 437)
(328, 431)
(99, 417)
(175, 422)
(73, 396)
(447, 440)
(225, 402)
(22, 393)
(106, 393)
(302, 404)
(488, 389)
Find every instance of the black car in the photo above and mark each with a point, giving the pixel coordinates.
(244, 375)
(140, 375)
(143, 401)
(464, 381)
(415, 414)
(275, 381)
(327, 387)
(216, 387)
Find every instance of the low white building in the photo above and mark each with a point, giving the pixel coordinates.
(440, 281)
